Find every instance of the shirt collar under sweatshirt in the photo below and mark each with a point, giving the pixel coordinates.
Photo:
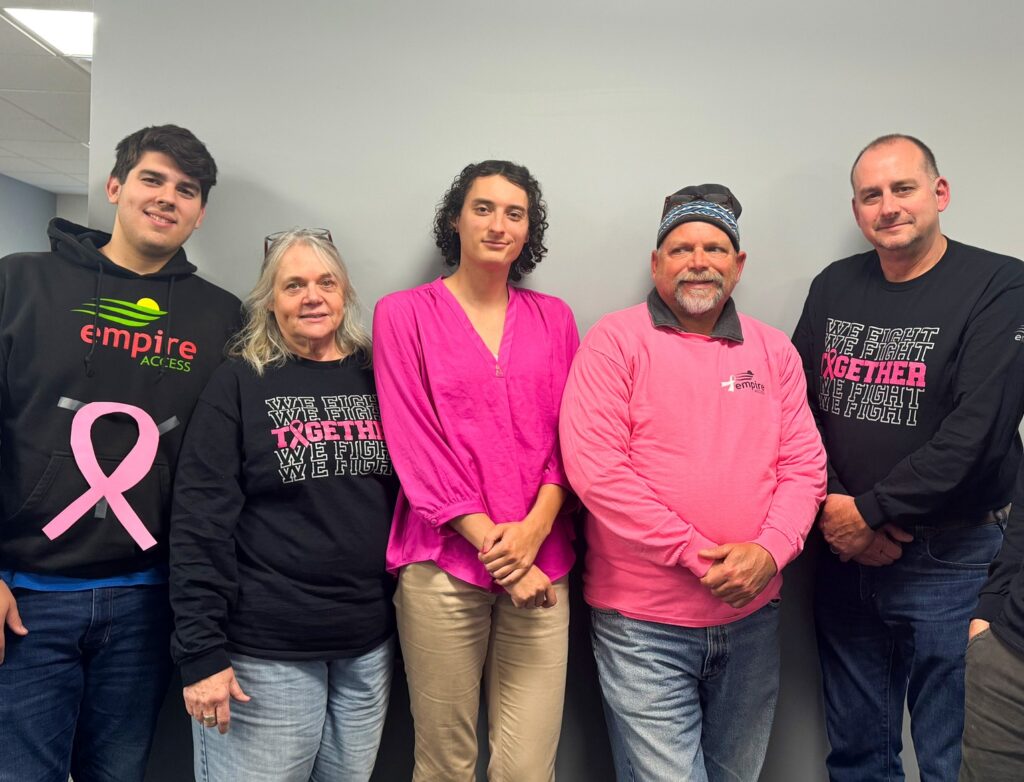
(726, 327)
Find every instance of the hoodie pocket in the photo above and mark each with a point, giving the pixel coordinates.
(53, 467)
(61, 483)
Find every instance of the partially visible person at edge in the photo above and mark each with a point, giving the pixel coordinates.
(993, 741)
(282, 506)
(686, 434)
(470, 371)
(915, 374)
(106, 341)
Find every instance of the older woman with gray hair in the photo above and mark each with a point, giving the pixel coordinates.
(282, 504)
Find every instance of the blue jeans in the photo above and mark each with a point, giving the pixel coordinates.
(688, 704)
(319, 721)
(80, 693)
(896, 633)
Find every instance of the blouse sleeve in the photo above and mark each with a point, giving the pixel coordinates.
(554, 470)
(436, 483)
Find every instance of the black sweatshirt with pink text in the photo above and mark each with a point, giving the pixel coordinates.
(282, 507)
(918, 386)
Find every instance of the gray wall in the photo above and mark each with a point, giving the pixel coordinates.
(356, 116)
(25, 211)
(73, 207)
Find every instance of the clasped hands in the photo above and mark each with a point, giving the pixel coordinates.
(739, 573)
(849, 536)
(508, 551)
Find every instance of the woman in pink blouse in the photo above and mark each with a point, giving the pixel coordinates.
(470, 372)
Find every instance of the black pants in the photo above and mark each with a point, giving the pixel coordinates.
(993, 747)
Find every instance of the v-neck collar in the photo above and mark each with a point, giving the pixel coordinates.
(500, 364)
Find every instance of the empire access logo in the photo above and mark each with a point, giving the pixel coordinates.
(742, 381)
(152, 349)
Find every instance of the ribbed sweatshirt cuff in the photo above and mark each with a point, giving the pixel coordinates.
(867, 504)
(778, 545)
(988, 608)
(195, 669)
(689, 558)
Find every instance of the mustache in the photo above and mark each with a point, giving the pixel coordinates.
(708, 275)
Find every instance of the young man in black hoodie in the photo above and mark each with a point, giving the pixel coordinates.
(106, 342)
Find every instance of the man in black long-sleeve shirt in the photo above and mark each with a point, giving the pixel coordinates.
(993, 746)
(915, 372)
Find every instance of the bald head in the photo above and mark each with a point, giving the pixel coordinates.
(927, 156)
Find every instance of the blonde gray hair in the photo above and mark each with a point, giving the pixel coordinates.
(260, 342)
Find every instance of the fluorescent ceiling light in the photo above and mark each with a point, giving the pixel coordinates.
(69, 32)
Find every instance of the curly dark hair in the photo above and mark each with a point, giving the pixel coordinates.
(450, 207)
(188, 152)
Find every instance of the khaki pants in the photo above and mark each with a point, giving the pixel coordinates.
(452, 635)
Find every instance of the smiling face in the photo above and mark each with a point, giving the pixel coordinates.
(493, 225)
(158, 208)
(308, 305)
(695, 271)
(897, 199)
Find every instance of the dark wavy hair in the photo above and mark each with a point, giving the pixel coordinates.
(450, 207)
(179, 144)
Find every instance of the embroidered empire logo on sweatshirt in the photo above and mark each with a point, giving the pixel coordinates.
(743, 381)
(153, 349)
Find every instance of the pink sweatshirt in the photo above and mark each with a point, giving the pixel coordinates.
(676, 442)
(469, 433)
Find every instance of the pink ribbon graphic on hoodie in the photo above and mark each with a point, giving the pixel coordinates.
(108, 489)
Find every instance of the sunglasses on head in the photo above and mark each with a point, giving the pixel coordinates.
(319, 233)
(678, 199)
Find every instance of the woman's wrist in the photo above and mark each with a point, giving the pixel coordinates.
(539, 524)
(473, 527)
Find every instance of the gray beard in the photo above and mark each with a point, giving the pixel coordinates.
(698, 305)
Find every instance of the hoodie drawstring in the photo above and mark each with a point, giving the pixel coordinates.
(89, 371)
(170, 295)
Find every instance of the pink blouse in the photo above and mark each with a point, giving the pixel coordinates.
(469, 433)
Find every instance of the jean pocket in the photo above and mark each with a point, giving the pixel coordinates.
(971, 548)
(978, 636)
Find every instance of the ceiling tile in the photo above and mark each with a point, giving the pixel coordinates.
(66, 111)
(40, 72)
(13, 41)
(23, 165)
(77, 167)
(55, 183)
(16, 125)
(44, 110)
(58, 150)
(59, 5)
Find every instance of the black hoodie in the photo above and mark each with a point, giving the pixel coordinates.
(76, 328)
